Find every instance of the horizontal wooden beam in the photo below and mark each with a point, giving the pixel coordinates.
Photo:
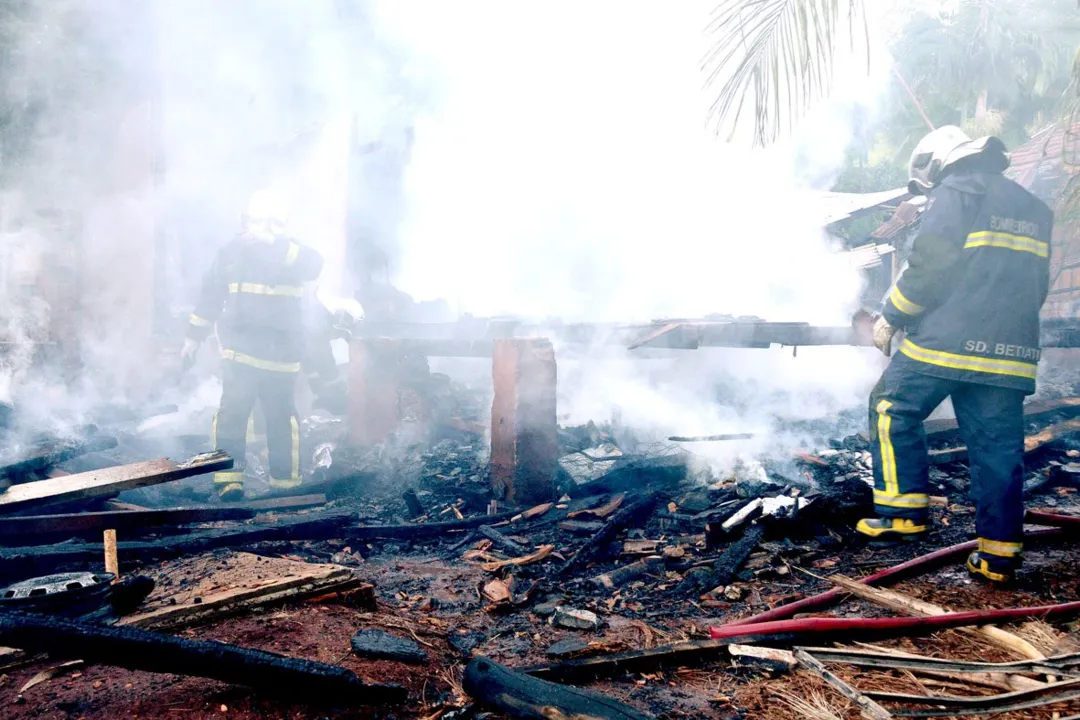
(98, 484)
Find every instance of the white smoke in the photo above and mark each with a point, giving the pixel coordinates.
(567, 171)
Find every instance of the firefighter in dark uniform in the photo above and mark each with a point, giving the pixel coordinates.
(254, 293)
(968, 303)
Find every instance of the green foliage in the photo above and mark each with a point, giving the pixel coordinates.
(777, 53)
(993, 67)
(859, 177)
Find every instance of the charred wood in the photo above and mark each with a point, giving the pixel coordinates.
(412, 502)
(42, 529)
(134, 649)
(731, 560)
(501, 542)
(521, 696)
(43, 560)
(603, 666)
(624, 518)
(422, 531)
(622, 575)
(105, 483)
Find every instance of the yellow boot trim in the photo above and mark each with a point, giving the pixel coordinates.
(1000, 549)
(285, 484)
(898, 526)
(229, 477)
(917, 501)
(980, 566)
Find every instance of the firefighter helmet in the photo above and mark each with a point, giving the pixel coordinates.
(266, 215)
(941, 148)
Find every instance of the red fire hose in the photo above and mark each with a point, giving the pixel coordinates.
(911, 567)
(818, 626)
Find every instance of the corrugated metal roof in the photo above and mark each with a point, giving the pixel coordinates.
(837, 207)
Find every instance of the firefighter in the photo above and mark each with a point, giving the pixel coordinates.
(254, 293)
(968, 303)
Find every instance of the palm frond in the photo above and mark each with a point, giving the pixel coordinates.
(777, 55)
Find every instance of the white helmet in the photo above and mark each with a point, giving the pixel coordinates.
(940, 149)
(266, 215)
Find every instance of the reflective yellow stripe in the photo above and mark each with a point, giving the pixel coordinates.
(295, 447)
(903, 304)
(292, 254)
(213, 432)
(257, 363)
(232, 476)
(257, 289)
(903, 500)
(888, 457)
(198, 321)
(1001, 549)
(969, 362)
(285, 484)
(251, 427)
(1020, 243)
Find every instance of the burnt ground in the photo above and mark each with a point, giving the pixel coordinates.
(433, 591)
(427, 594)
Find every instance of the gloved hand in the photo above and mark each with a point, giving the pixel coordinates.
(187, 354)
(883, 335)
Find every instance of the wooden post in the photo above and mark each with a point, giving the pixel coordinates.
(112, 562)
(524, 441)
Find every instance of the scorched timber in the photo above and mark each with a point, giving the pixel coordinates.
(304, 680)
(521, 696)
(422, 531)
(624, 518)
(105, 483)
(45, 528)
(29, 561)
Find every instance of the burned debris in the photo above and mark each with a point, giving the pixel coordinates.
(643, 564)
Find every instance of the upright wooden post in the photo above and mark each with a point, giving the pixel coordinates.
(524, 441)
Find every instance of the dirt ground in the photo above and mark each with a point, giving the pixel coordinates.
(433, 598)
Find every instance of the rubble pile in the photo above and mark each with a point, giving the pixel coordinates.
(619, 576)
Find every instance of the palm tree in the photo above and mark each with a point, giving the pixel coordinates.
(773, 58)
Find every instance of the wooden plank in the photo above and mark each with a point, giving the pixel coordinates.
(46, 528)
(237, 584)
(100, 484)
(21, 562)
(286, 503)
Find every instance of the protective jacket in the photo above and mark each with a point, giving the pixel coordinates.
(254, 292)
(976, 280)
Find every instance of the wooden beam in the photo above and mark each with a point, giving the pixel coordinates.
(286, 503)
(41, 529)
(100, 484)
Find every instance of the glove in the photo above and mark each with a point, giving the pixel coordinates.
(187, 354)
(883, 335)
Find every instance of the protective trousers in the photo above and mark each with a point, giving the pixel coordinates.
(991, 423)
(243, 386)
